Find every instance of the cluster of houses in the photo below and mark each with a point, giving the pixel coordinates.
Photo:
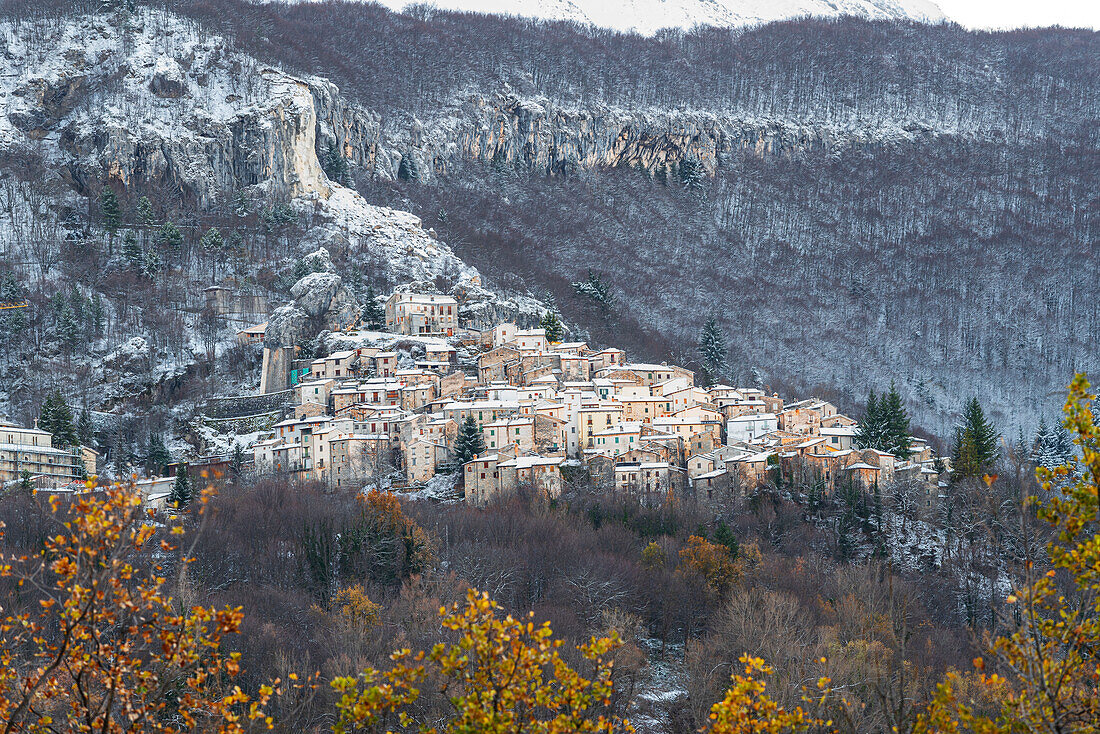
(30, 453)
(544, 408)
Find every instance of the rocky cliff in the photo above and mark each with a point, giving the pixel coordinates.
(540, 136)
(148, 102)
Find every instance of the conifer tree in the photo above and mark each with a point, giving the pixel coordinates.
(96, 314)
(407, 169)
(170, 240)
(131, 250)
(85, 430)
(66, 328)
(871, 429)
(1064, 444)
(236, 461)
(374, 317)
(145, 212)
(180, 495)
(78, 303)
(158, 457)
(11, 290)
(975, 450)
(335, 165)
(1044, 446)
(468, 444)
(212, 244)
(595, 288)
(57, 418)
(12, 322)
(112, 212)
(241, 205)
(46, 415)
(26, 483)
(692, 175)
(551, 324)
(121, 453)
(895, 423)
(152, 264)
(712, 349)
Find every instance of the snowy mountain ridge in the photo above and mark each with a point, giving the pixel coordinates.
(649, 16)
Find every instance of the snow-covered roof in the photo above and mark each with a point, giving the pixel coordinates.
(754, 417)
(526, 462)
(840, 431)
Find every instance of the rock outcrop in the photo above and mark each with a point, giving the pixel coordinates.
(321, 302)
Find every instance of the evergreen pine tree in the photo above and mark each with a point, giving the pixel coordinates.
(96, 314)
(66, 328)
(236, 461)
(47, 420)
(871, 429)
(26, 483)
(85, 430)
(712, 349)
(1052, 446)
(121, 453)
(212, 244)
(145, 213)
(180, 495)
(152, 263)
(335, 165)
(170, 241)
(12, 322)
(374, 317)
(11, 290)
(692, 175)
(895, 425)
(407, 169)
(131, 250)
(241, 205)
(57, 418)
(975, 450)
(551, 324)
(158, 457)
(78, 303)
(112, 212)
(65, 430)
(1044, 447)
(468, 444)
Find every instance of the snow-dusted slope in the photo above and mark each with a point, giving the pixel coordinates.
(648, 16)
(152, 101)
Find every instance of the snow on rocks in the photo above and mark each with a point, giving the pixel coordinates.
(130, 356)
(168, 79)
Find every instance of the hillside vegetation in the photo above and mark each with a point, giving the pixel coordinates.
(857, 201)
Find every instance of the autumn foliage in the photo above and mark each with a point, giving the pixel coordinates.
(109, 650)
(1047, 671)
(502, 675)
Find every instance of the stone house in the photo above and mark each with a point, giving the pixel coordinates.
(750, 428)
(422, 459)
(653, 481)
(543, 474)
(358, 458)
(800, 419)
(421, 314)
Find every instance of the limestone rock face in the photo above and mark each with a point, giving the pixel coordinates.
(320, 302)
(540, 136)
(168, 79)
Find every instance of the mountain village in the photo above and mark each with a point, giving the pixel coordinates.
(537, 410)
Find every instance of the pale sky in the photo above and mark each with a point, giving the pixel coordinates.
(1019, 13)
